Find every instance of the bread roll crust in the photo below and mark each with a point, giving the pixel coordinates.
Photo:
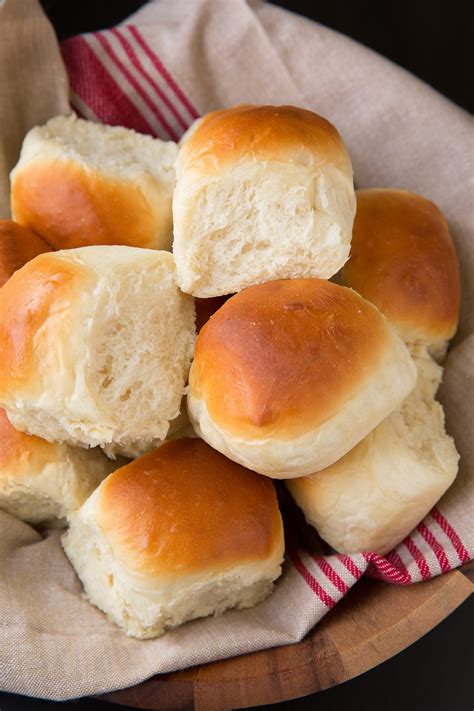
(17, 246)
(95, 347)
(41, 482)
(180, 533)
(403, 260)
(71, 207)
(287, 355)
(262, 193)
(12, 445)
(265, 133)
(80, 183)
(378, 492)
(283, 370)
(33, 298)
(184, 508)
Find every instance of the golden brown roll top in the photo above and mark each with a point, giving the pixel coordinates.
(180, 533)
(403, 260)
(185, 508)
(292, 352)
(17, 246)
(35, 300)
(283, 362)
(285, 133)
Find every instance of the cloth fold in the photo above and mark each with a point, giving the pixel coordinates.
(33, 81)
(157, 72)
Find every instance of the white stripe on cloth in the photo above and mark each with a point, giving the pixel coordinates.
(82, 108)
(180, 116)
(117, 74)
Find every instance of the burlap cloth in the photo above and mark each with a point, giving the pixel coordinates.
(173, 60)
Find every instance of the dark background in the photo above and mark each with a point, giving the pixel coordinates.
(432, 40)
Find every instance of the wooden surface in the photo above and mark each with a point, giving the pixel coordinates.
(374, 622)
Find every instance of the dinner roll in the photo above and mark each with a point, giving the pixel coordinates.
(372, 498)
(262, 193)
(95, 347)
(180, 533)
(288, 376)
(17, 246)
(42, 482)
(80, 183)
(403, 260)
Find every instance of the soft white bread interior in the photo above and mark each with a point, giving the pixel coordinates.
(95, 347)
(180, 533)
(289, 375)
(80, 183)
(372, 498)
(179, 427)
(430, 373)
(262, 193)
(404, 261)
(43, 483)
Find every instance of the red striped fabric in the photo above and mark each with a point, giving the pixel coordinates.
(132, 56)
(331, 574)
(348, 562)
(101, 37)
(310, 580)
(164, 73)
(418, 557)
(463, 555)
(137, 93)
(394, 559)
(97, 89)
(120, 35)
(435, 547)
(382, 569)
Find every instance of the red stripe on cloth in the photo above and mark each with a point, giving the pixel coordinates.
(435, 547)
(330, 573)
(347, 561)
(418, 557)
(395, 560)
(310, 580)
(97, 89)
(445, 526)
(381, 568)
(133, 82)
(164, 73)
(131, 54)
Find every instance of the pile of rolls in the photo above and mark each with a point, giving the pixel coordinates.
(182, 324)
